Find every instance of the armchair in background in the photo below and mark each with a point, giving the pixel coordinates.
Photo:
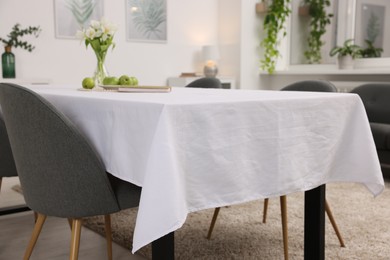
(205, 83)
(376, 100)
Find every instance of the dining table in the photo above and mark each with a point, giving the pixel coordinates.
(192, 149)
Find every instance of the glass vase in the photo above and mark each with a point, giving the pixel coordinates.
(100, 73)
(8, 63)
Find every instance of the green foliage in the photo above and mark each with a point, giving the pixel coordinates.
(81, 9)
(274, 24)
(319, 20)
(348, 48)
(100, 46)
(13, 37)
(148, 16)
(371, 51)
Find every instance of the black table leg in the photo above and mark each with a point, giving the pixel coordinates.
(164, 247)
(315, 224)
(314, 239)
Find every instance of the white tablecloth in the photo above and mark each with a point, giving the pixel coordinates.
(193, 149)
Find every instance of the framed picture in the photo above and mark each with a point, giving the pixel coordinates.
(72, 15)
(146, 20)
(370, 23)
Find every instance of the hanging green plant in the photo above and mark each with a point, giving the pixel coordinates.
(274, 27)
(319, 20)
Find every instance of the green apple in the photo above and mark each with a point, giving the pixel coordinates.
(124, 80)
(88, 83)
(110, 81)
(128, 81)
(134, 81)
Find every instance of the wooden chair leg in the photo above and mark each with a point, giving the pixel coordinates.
(35, 217)
(216, 212)
(34, 237)
(283, 209)
(333, 222)
(1, 180)
(265, 210)
(75, 241)
(107, 222)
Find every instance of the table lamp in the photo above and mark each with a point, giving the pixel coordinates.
(210, 56)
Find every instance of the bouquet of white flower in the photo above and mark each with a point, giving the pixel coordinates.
(100, 36)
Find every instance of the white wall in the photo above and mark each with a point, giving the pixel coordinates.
(191, 24)
(239, 38)
(229, 38)
(251, 29)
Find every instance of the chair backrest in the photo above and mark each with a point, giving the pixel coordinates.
(7, 163)
(205, 83)
(376, 100)
(311, 85)
(60, 174)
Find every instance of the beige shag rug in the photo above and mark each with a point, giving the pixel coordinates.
(239, 233)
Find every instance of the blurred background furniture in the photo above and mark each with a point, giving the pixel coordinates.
(227, 82)
(311, 85)
(307, 85)
(60, 173)
(205, 83)
(376, 100)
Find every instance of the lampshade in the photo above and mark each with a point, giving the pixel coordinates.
(210, 52)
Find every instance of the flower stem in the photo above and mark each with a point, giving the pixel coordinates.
(100, 72)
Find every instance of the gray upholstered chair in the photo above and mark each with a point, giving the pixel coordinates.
(376, 100)
(205, 83)
(306, 85)
(60, 173)
(311, 85)
(7, 164)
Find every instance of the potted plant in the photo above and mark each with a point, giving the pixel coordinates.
(274, 27)
(13, 40)
(370, 57)
(371, 51)
(319, 19)
(346, 54)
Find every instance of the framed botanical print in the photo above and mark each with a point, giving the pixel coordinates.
(72, 15)
(372, 25)
(146, 20)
